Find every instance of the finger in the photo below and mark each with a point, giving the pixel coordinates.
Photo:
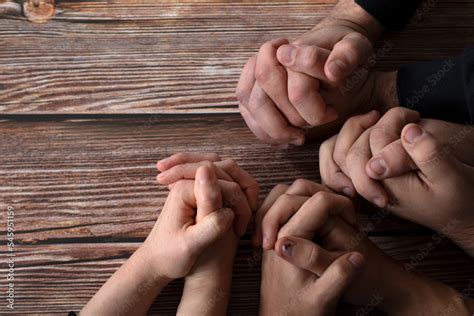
(389, 127)
(392, 161)
(182, 158)
(359, 155)
(246, 182)
(271, 119)
(278, 190)
(254, 126)
(244, 90)
(338, 277)
(305, 254)
(207, 191)
(210, 229)
(314, 213)
(306, 59)
(331, 174)
(235, 199)
(281, 211)
(272, 77)
(348, 135)
(246, 82)
(350, 52)
(303, 92)
(304, 187)
(188, 171)
(435, 162)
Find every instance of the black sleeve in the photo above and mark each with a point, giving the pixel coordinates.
(442, 89)
(392, 14)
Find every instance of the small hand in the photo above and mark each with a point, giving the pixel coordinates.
(189, 223)
(184, 166)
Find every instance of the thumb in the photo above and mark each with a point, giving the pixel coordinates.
(210, 229)
(392, 161)
(350, 52)
(305, 254)
(306, 59)
(207, 192)
(339, 276)
(434, 160)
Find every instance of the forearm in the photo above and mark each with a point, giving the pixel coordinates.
(349, 13)
(414, 294)
(131, 289)
(205, 296)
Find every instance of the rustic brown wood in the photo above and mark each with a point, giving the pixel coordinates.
(85, 197)
(168, 56)
(83, 186)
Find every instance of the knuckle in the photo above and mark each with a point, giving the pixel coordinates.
(378, 134)
(313, 257)
(242, 95)
(310, 59)
(231, 163)
(300, 183)
(298, 92)
(340, 271)
(321, 198)
(280, 187)
(207, 163)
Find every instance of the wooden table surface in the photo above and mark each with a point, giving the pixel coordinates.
(92, 99)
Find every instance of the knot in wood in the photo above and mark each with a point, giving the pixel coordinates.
(38, 11)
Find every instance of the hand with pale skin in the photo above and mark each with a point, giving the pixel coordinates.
(184, 165)
(286, 88)
(207, 285)
(192, 223)
(301, 216)
(424, 172)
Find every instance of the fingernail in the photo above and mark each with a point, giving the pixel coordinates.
(205, 177)
(287, 248)
(337, 68)
(347, 191)
(413, 133)
(297, 140)
(286, 54)
(357, 260)
(265, 242)
(378, 166)
(379, 202)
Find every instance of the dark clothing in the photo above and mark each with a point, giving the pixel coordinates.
(442, 89)
(392, 14)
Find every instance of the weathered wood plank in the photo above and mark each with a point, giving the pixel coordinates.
(78, 179)
(167, 56)
(61, 278)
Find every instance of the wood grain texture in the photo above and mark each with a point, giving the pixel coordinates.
(174, 57)
(85, 197)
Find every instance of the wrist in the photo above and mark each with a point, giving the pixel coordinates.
(208, 296)
(349, 13)
(147, 264)
(464, 237)
(420, 296)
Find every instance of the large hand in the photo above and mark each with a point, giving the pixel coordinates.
(428, 183)
(276, 102)
(399, 292)
(437, 191)
(307, 288)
